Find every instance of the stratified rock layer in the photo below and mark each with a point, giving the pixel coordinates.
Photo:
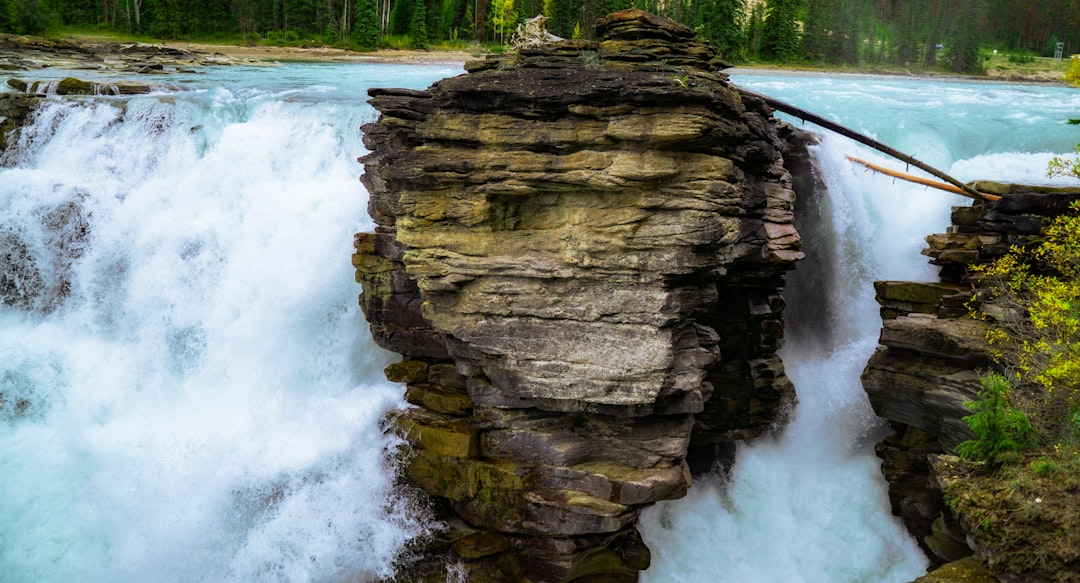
(579, 252)
(932, 351)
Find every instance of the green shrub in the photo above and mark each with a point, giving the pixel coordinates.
(1073, 74)
(1000, 429)
(1044, 467)
(396, 42)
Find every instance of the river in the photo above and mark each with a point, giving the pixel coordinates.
(186, 397)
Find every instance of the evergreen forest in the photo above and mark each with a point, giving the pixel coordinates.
(916, 33)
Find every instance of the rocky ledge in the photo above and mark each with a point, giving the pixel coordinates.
(928, 365)
(24, 53)
(579, 254)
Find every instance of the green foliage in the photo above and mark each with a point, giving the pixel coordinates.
(721, 22)
(1040, 341)
(1021, 58)
(962, 54)
(396, 42)
(832, 31)
(504, 18)
(401, 17)
(999, 428)
(1044, 467)
(418, 26)
(33, 16)
(366, 30)
(1062, 167)
(755, 30)
(1072, 75)
(780, 31)
(8, 16)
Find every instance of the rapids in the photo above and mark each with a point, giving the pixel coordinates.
(189, 393)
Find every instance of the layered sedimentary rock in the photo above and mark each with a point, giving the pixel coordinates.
(932, 351)
(579, 253)
(15, 110)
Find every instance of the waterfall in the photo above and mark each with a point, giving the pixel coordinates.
(184, 395)
(808, 504)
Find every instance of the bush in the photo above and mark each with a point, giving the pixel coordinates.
(396, 42)
(999, 428)
(1072, 75)
(1038, 340)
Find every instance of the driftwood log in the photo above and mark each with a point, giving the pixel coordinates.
(852, 134)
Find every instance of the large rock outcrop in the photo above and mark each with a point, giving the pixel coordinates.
(579, 254)
(931, 355)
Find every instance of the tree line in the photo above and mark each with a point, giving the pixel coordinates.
(897, 32)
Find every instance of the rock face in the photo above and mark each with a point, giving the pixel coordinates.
(931, 350)
(579, 253)
(15, 109)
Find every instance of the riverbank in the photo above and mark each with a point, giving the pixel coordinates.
(80, 51)
(998, 69)
(84, 52)
(271, 54)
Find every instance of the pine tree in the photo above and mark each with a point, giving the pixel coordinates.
(907, 45)
(722, 21)
(418, 26)
(366, 29)
(755, 30)
(962, 56)
(7, 16)
(817, 27)
(780, 35)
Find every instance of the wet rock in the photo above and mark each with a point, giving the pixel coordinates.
(967, 570)
(930, 359)
(587, 240)
(15, 110)
(36, 264)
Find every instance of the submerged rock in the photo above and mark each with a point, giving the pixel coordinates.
(75, 86)
(36, 264)
(579, 251)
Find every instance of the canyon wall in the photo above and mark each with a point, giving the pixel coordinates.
(929, 364)
(579, 253)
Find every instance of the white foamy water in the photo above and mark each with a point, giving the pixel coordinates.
(809, 505)
(191, 395)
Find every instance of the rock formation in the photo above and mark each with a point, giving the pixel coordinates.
(579, 254)
(15, 109)
(930, 354)
(23, 53)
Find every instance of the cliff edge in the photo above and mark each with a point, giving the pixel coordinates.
(929, 364)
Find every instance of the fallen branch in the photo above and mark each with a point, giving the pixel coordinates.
(922, 181)
(849, 133)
